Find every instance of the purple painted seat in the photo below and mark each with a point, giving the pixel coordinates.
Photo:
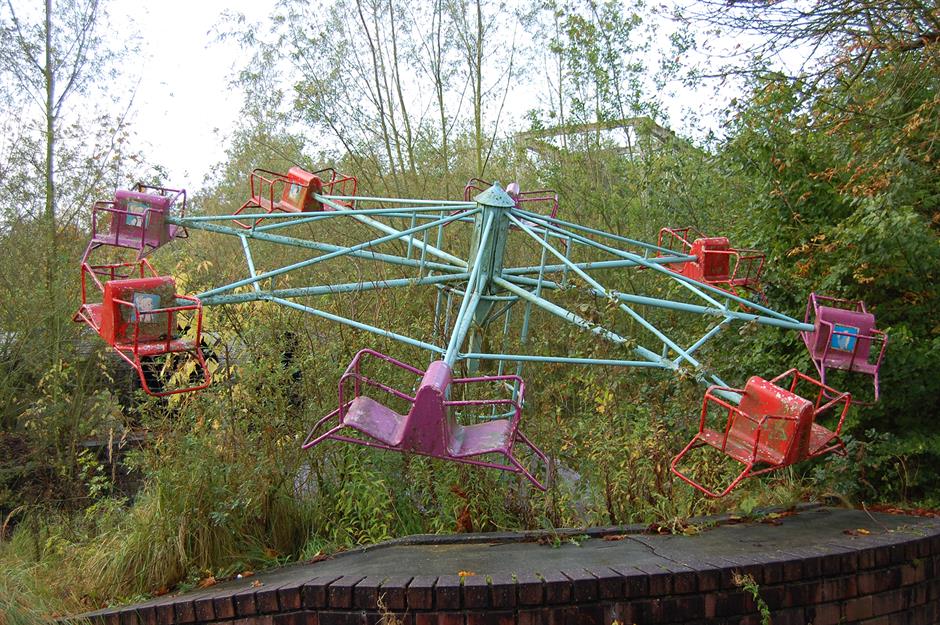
(136, 220)
(844, 338)
(428, 427)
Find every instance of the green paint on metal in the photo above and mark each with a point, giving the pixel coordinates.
(495, 197)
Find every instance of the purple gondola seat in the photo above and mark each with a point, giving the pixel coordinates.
(844, 338)
(136, 220)
(428, 427)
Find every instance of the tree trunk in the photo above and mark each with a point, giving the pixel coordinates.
(50, 218)
(478, 90)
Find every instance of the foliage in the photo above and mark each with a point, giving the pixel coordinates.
(747, 583)
(848, 197)
(832, 172)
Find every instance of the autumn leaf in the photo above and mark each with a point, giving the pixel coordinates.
(207, 581)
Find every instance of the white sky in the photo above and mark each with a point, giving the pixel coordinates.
(184, 109)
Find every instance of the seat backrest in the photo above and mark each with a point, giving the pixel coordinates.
(848, 337)
(118, 320)
(299, 191)
(713, 256)
(133, 220)
(787, 437)
(428, 425)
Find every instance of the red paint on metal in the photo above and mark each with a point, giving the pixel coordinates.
(771, 428)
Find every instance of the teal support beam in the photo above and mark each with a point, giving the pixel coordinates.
(489, 247)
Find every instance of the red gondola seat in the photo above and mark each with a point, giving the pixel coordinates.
(138, 317)
(716, 262)
(293, 192)
(772, 427)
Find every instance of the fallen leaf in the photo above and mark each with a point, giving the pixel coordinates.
(465, 573)
(207, 581)
(320, 557)
(612, 537)
(257, 583)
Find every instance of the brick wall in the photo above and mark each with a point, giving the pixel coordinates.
(874, 580)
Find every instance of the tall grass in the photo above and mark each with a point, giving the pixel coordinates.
(36, 584)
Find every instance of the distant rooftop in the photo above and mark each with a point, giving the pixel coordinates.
(632, 137)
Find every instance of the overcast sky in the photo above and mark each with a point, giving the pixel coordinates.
(182, 110)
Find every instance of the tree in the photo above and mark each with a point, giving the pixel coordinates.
(844, 154)
(48, 61)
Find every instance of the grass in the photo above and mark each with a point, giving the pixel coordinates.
(36, 578)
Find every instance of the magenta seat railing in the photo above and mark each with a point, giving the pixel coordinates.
(429, 426)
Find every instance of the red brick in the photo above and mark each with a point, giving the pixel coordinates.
(290, 618)
(532, 617)
(314, 591)
(838, 589)
(245, 603)
(530, 589)
(583, 585)
(824, 614)
(476, 592)
(919, 594)
(267, 619)
(128, 617)
(710, 604)
(394, 592)
(586, 615)
(887, 602)
(634, 580)
(733, 603)
(450, 618)
(340, 592)
(341, 617)
(645, 611)
(609, 583)
(658, 579)
(858, 608)
(808, 593)
(912, 573)
(792, 616)
(490, 617)
(447, 592)
(557, 588)
(365, 594)
(503, 592)
(614, 612)
(420, 593)
(774, 596)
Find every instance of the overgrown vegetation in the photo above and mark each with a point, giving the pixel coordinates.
(833, 171)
